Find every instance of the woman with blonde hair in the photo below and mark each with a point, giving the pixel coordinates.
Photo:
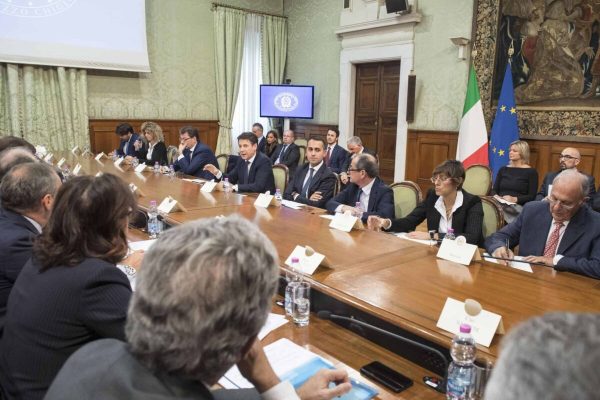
(155, 150)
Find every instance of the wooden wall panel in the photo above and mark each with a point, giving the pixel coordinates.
(306, 130)
(103, 138)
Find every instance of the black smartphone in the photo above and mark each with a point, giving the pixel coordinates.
(389, 378)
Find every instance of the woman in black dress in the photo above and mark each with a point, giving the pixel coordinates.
(154, 150)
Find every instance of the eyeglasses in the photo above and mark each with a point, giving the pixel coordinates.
(353, 170)
(567, 157)
(440, 178)
(560, 204)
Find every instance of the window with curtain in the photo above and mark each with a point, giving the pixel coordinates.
(247, 107)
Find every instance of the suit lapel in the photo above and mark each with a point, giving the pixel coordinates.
(574, 230)
(316, 177)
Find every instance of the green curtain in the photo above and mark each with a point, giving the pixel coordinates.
(44, 105)
(229, 27)
(273, 51)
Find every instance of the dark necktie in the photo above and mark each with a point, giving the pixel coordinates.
(358, 195)
(328, 156)
(308, 182)
(282, 153)
(246, 171)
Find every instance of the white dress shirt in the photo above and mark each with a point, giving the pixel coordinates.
(441, 207)
(35, 224)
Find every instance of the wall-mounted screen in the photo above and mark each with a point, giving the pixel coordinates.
(287, 101)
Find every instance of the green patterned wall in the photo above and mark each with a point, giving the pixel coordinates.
(314, 52)
(180, 47)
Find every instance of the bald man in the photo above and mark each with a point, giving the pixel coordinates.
(569, 159)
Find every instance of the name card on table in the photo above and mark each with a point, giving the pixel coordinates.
(265, 200)
(346, 222)
(307, 263)
(136, 190)
(119, 161)
(75, 150)
(211, 185)
(100, 156)
(140, 168)
(77, 169)
(169, 205)
(49, 158)
(483, 326)
(60, 162)
(458, 250)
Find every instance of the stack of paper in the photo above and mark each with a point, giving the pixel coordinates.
(274, 321)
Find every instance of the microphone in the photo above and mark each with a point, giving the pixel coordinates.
(437, 384)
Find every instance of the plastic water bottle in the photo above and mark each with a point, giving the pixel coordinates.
(226, 185)
(156, 167)
(153, 222)
(278, 196)
(171, 171)
(360, 211)
(293, 278)
(450, 234)
(460, 371)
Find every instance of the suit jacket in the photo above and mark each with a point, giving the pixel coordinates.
(262, 144)
(53, 313)
(201, 157)
(106, 370)
(467, 220)
(323, 181)
(130, 147)
(290, 158)
(350, 156)
(159, 154)
(580, 244)
(338, 159)
(16, 235)
(549, 178)
(381, 200)
(260, 177)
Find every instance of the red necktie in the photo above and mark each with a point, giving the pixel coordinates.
(552, 244)
(327, 156)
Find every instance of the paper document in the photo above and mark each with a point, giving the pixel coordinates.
(405, 236)
(141, 245)
(516, 263)
(194, 180)
(274, 321)
(501, 200)
(292, 204)
(326, 216)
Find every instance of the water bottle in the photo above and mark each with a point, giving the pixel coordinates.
(135, 162)
(171, 171)
(156, 168)
(450, 234)
(278, 196)
(226, 185)
(360, 211)
(461, 369)
(153, 222)
(293, 278)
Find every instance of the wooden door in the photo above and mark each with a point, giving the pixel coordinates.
(376, 111)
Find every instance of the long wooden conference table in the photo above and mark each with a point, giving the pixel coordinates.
(378, 278)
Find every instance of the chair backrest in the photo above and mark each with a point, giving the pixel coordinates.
(223, 160)
(280, 173)
(493, 216)
(301, 142)
(171, 153)
(407, 195)
(478, 180)
(338, 184)
(302, 155)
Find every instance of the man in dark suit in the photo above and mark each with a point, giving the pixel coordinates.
(128, 137)
(204, 293)
(569, 159)
(257, 129)
(253, 172)
(314, 183)
(355, 147)
(193, 155)
(287, 153)
(336, 157)
(366, 188)
(28, 192)
(563, 232)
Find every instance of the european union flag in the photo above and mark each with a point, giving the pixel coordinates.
(505, 129)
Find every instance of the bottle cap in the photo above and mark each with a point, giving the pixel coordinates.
(465, 328)
(152, 203)
(295, 260)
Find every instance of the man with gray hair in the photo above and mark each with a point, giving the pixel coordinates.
(27, 194)
(553, 357)
(203, 292)
(355, 148)
(14, 156)
(366, 190)
(562, 232)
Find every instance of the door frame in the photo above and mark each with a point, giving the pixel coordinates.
(349, 57)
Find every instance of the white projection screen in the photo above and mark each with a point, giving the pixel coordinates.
(96, 34)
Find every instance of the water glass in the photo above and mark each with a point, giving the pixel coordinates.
(301, 303)
(482, 370)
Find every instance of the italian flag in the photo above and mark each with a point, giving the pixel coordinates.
(472, 145)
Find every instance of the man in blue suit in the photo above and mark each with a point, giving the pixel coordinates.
(336, 156)
(287, 153)
(563, 232)
(366, 188)
(253, 173)
(193, 155)
(312, 184)
(128, 138)
(257, 129)
(28, 192)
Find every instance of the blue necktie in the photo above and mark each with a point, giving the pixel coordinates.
(307, 184)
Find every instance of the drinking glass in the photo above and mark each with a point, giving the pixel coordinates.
(301, 303)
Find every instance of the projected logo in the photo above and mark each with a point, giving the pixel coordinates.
(34, 8)
(286, 101)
